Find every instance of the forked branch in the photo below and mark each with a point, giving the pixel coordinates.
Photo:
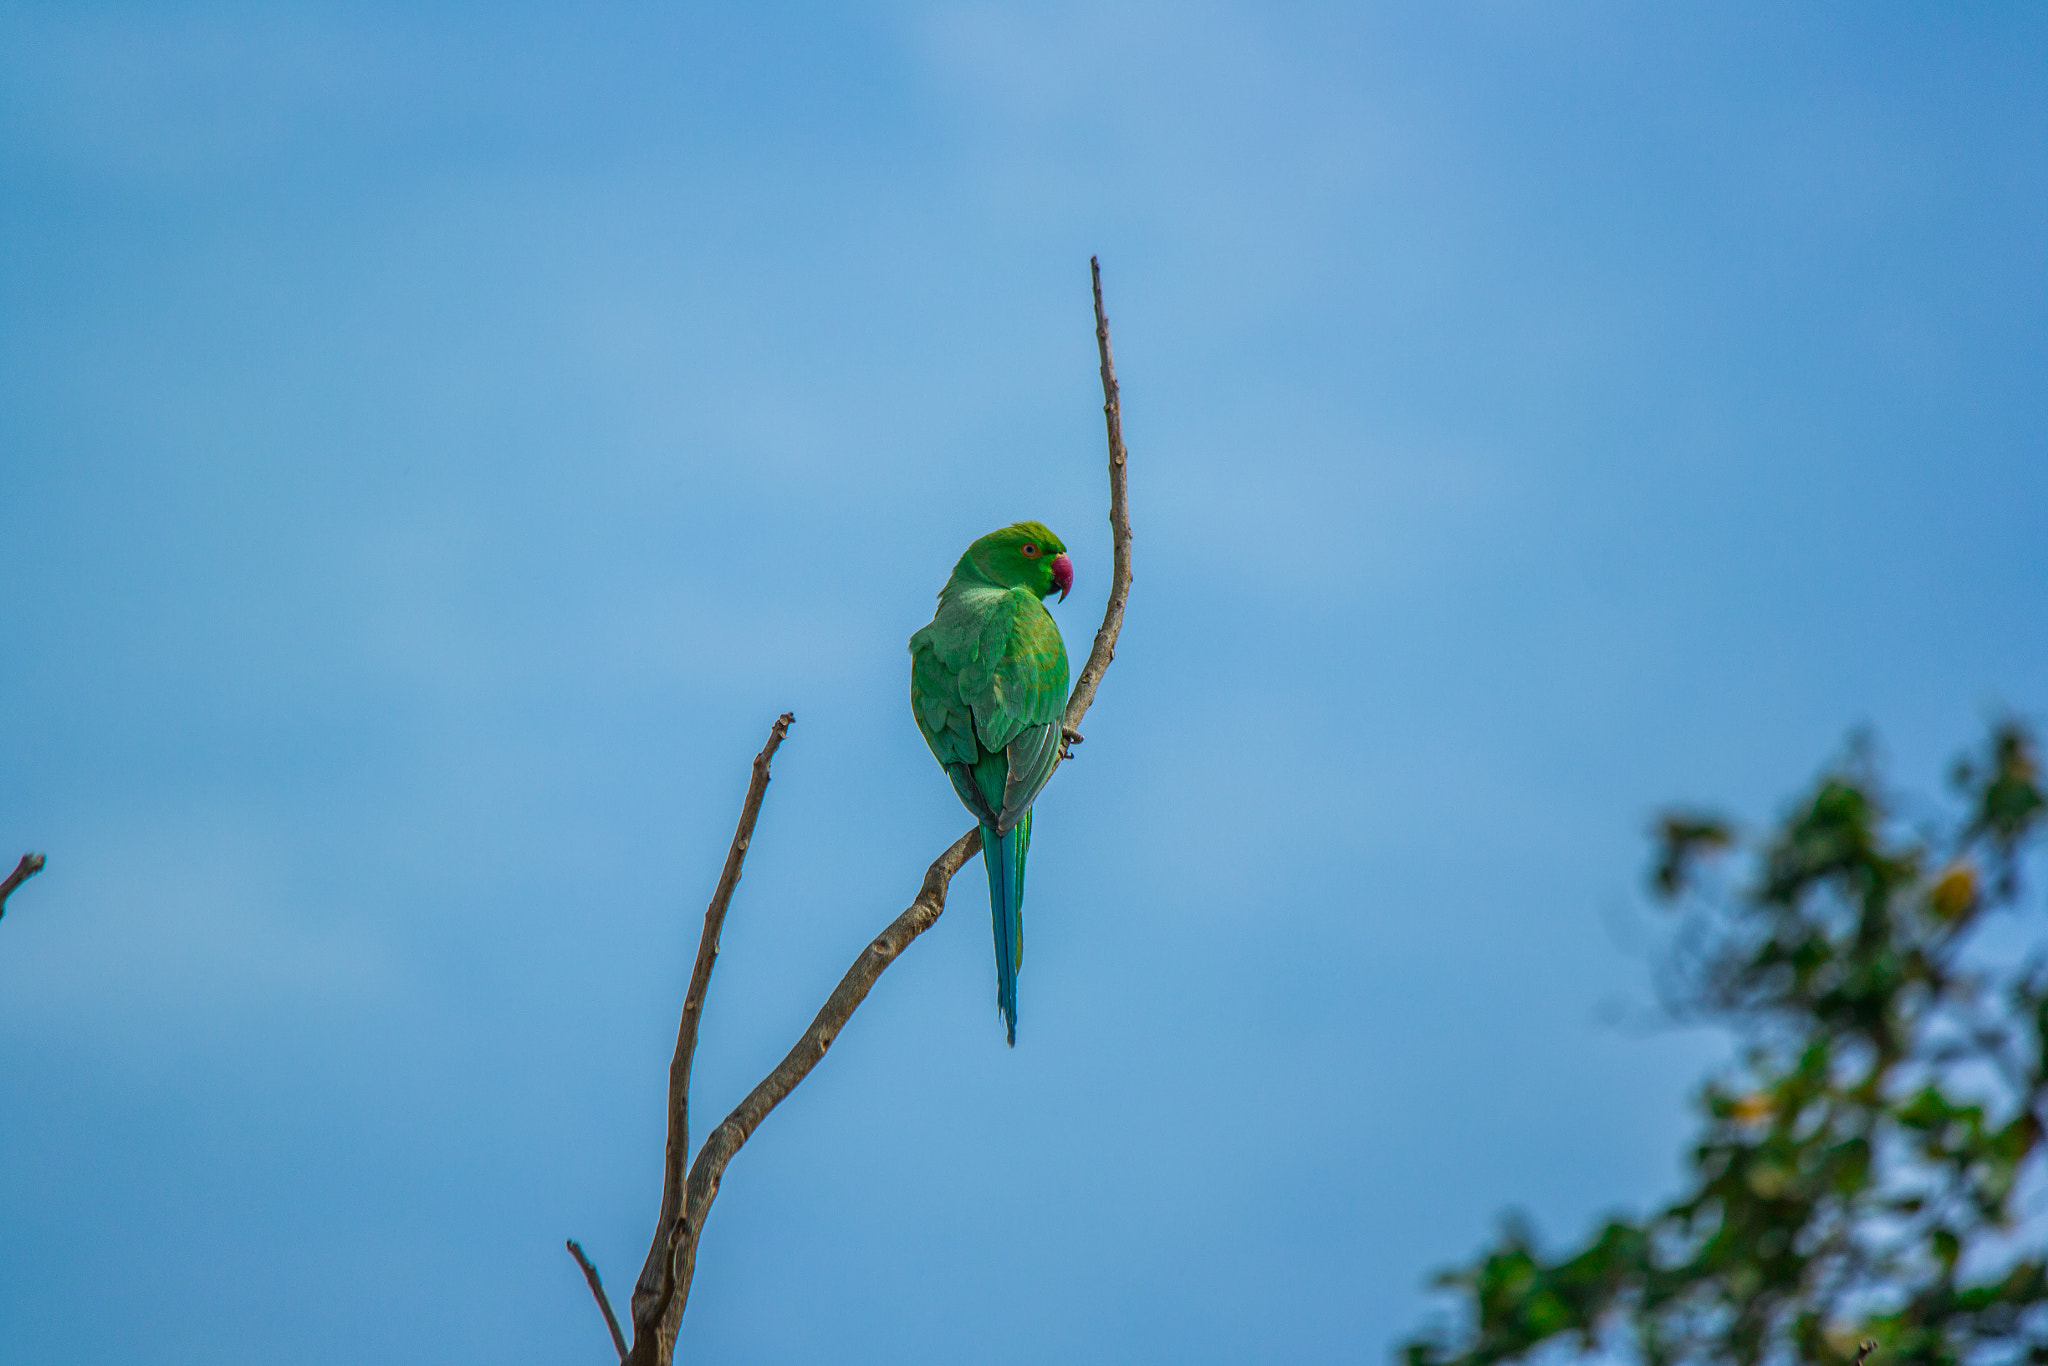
(663, 1289)
(726, 1140)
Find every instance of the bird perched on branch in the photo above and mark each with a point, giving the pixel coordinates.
(988, 685)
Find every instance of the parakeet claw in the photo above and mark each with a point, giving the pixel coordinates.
(1069, 737)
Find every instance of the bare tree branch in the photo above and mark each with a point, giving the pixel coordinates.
(660, 1264)
(611, 1320)
(30, 865)
(664, 1287)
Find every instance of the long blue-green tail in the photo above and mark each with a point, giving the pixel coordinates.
(1003, 856)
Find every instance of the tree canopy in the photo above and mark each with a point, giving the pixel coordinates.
(1866, 1170)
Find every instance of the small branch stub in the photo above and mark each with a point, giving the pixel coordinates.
(30, 865)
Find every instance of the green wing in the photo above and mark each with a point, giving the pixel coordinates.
(988, 681)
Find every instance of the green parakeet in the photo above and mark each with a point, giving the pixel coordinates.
(988, 684)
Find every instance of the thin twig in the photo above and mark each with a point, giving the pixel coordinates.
(611, 1320)
(675, 1257)
(660, 1265)
(30, 865)
(1119, 526)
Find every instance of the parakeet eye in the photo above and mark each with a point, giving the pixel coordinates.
(1030, 550)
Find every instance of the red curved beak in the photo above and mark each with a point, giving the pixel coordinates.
(1062, 575)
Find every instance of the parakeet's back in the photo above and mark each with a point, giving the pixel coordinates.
(989, 667)
(988, 683)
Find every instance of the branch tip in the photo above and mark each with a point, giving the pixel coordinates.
(1119, 519)
(611, 1320)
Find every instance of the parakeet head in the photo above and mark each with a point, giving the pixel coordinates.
(1024, 555)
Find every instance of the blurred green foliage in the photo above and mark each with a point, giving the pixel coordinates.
(1871, 1168)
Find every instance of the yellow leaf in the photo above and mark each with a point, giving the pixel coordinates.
(1753, 1108)
(1954, 893)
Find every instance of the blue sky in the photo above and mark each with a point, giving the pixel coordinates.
(437, 442)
